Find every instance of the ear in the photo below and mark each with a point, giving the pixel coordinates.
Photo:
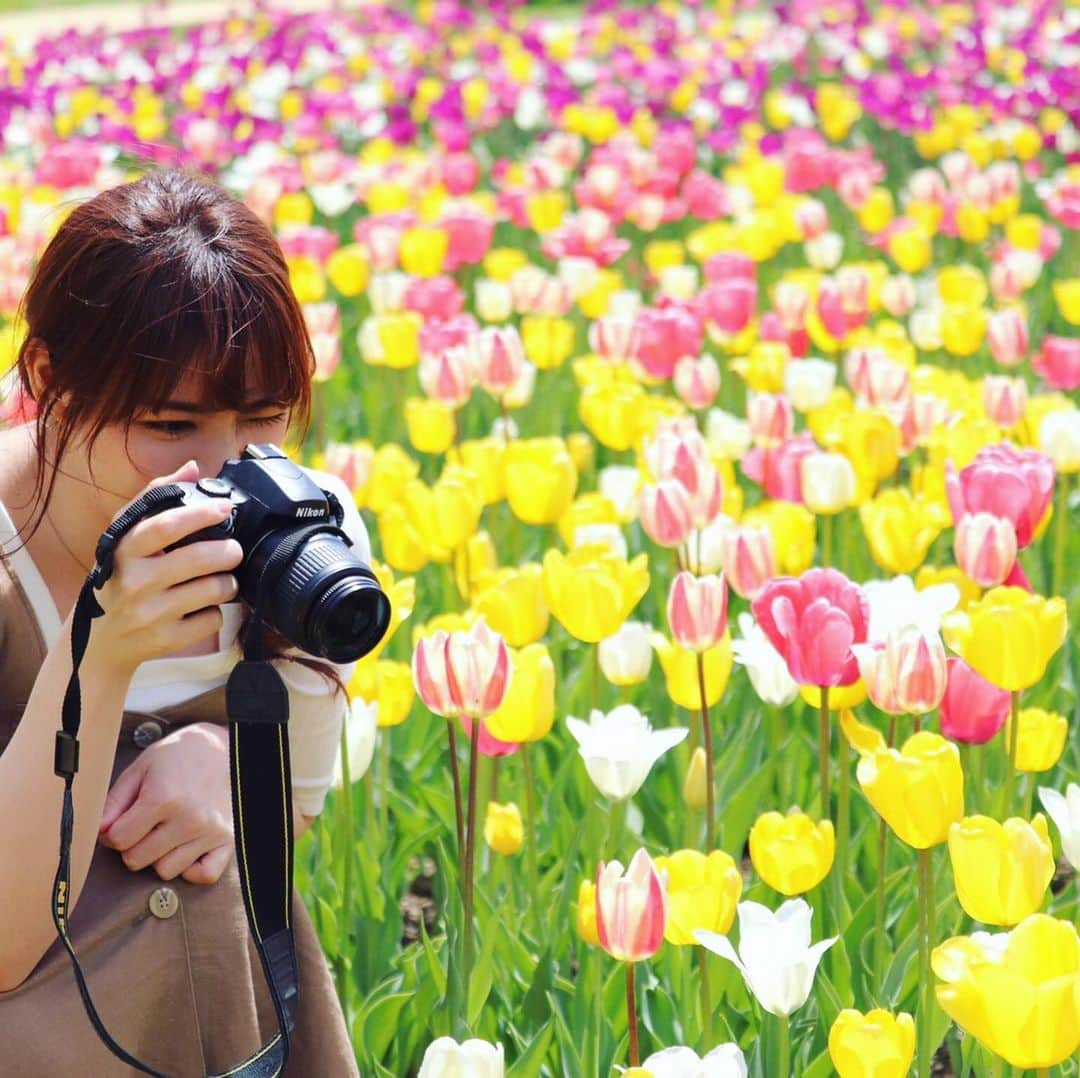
(38, 366)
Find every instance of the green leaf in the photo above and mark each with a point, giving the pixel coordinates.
(434, 961)
(329, 925)
(479, 985)
(535, 1006)
(529, 1063)
(381, 1023)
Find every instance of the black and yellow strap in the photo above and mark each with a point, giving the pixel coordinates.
(258, 710)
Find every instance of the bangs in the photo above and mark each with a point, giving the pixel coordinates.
(237, 342)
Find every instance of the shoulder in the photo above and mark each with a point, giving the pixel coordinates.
(352, 525)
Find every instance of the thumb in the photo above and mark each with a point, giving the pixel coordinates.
(123, 793)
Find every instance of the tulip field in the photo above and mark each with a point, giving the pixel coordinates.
(707, 377)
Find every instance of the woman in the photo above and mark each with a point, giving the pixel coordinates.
(163, 336)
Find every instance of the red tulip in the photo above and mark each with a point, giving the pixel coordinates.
(697, 610)
(631, 908)
(813, 621)
(972, 709)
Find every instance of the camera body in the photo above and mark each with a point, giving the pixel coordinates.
(313, 588)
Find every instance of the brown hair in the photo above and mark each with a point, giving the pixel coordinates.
(145, 283)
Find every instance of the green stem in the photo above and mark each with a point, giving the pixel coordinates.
(880, 937)
(470, 857)
(1012, 732)
(826, 540)
(384, 782)
(923, 1018)
(776, 745)
(530, 827)
(843, 828)
(616, 827)
(594, 693)
(455, 775)
(784, 1047)
(706, 733)
(631, 1016)
(978, 781)
(706, 1001)
(823, 754)
(346, 834)
(1061, 517)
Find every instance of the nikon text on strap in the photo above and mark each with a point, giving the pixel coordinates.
(258, 710)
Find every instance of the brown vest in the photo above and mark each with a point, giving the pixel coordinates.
(181, 990)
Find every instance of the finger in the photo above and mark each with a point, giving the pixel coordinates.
(123, 793)
(188, 472)
(132, 826)
(210, 867)
(170, 835)
(198, 559)
(196, 595)
(154, 534)
(181, 858)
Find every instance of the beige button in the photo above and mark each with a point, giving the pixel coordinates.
(146, 733)
(164, 903)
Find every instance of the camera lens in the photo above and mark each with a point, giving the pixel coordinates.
(349, 619)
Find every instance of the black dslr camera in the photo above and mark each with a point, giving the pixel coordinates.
(297, 561)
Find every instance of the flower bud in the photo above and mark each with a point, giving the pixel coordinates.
(792, 854)
(697, 381)
(586, 913)
(697, 611)
(665, 513)
(985, 547)
(748, 556)
(1041, 740)
(1007, 335)
(874, 1045)
(770, 418)
(695, 785)
(503, 830)
(1005, 399)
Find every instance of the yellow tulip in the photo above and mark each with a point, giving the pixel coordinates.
(402, 542)
(1001, 871)
(1017, 992)
(548, 340)
(402, 596)
(540, 479)
(872, 1045)
(681, 671)
(762, 368)
(501, 263)
(293, 208)
(591, 508)
(962, 285)
(474, 561)
(545, 210)
(840, 696)
(878, 210)
(695, 785)
(594, 303)
(963, 329)
(512, 602)
(449, 510)
(586, 913)
(612, 413)
(423, 251)
(837, 109)
(503, 830)
(1067, 298)
(306, 278)
(918, 791)
(393, 340)
(430, 424)
(871, 441)
(527, 711)
(863, 738)
(388, 684)
(703, 891)
(910, 249)
(930, 575)
(1025, 231)
(793, 531)
(348, 269)
(659, 254)
(900, 528)
(1041, 740)
(1008, 636)
(591, 590)
(484, 458)
(792, 854)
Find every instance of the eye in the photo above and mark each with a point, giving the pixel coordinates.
(171, 428)
(266, 420)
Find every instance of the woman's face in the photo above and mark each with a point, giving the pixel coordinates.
(122, 462)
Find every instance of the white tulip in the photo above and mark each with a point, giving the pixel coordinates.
(606, 535)
(897, 603)
(1059, 439)
(727, 434)
(724, 1061)
(494, 300)
(768, 672)
(707, 545)
(825, 251)
(361, 723)
(625, 657)
(620, 748)
(620, 484)
(775, 956)
(445, 1058)
(624, 303)
(1064, 810)
(808, 383)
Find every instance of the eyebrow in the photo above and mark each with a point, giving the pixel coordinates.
(199, 406)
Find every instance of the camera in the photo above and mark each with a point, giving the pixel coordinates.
(298, 563)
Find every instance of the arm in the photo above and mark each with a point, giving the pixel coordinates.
(30, 800)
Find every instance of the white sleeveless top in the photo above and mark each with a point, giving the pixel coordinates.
(316, 710)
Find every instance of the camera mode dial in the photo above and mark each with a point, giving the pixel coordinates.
(213, 487)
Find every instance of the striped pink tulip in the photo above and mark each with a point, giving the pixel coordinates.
(1005, 399)
(1007, 335)
(498, 358)
(697, 610)
(985, 547)
(898, 295)
(770, 417)
(631, 908)
(697, 381)
(748, 556)
(613, 338)
(905, 674)
(665, 513)
(447, 376)
(462, 673)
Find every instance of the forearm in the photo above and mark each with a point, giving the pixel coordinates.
(31, 795)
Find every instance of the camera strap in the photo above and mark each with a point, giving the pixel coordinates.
(257, 703)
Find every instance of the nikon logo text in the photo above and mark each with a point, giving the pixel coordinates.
(308, 511)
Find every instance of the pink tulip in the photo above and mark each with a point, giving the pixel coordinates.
(460, 173)
(770, 417)
(792, 305)
(498, 358)
(631, 909)
(1007, 335)
(875, 378)
(679, 452)
(972, 710)
(779, 470)
(462, 673)
(488, 744)
(469, 235)
(728, 305)
(905, 673)
(440, 334)
(898, 295)
(697, 381)
(350, 463)
(447, 376)
(985, 548)
(665, 513)
(1005, 399)
(436, 298)
(664, 337)
(729, 264)
(697, 610)
(706, 197)
(812, 218)
(613, 338)
(1016, 484)
(1058, 362)
(748, 557)
(813, 621)
(1008, 280)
